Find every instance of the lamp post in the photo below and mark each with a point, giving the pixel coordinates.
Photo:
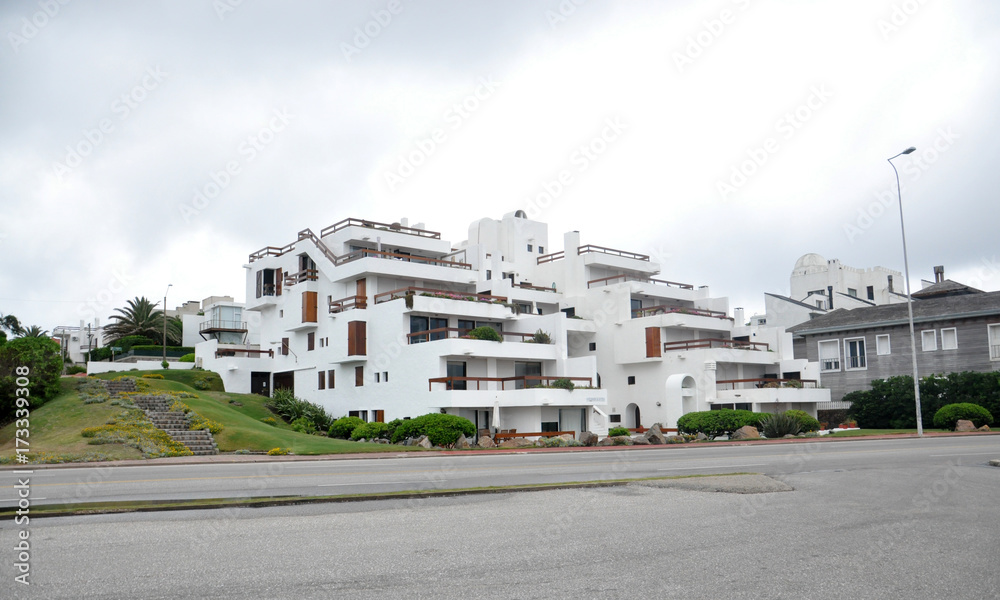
(909, 299)
(169, 285)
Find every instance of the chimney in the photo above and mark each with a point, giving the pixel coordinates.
(890, 284)
(829, 293)
(939, 274)
(738, 316)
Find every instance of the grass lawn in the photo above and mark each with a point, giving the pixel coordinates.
(186, 376)
(55, 426)
(864, 432)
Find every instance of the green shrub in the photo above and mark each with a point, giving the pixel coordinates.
(485, 333)
(756, 419)
(303, 425)
(370, 431)
(392, 425)
(165, 365)
(284, 404)
(74, 369)
(540, 337)
(563, 384)
(42, 358)
(343, 427)
(616, 431)
(780, 425)
(187, 358)
(152, 376)
(714, 423)
(201, 383)
(440, 429)
(806, 421)
(949, 415)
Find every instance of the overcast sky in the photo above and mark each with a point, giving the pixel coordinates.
(147, 143)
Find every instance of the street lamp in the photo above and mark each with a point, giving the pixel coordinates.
(169, 285)
(909, 299)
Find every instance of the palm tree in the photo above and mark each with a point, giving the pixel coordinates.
(141, 317)
(34, 331)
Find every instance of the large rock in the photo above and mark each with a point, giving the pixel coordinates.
(588, 439)
(617, 440)
(640, 440)
(517, 443)
(423, 442)
(747, 432)
(461, 443)
(984, 428)
(567, 437)
(701, 437)
(964, 425)
(486, 441)
(655, 436)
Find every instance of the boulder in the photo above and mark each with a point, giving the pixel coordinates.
(567, 437)
(486, 441)
(423, 442)
(516, 443)
(461, 443)
(747, 432)
(608, 441)
(701, 437)
(984, 428)
(640, 440)
(964, 425)
(588, 439)
(654, 435)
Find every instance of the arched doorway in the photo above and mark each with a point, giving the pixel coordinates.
(632, 417)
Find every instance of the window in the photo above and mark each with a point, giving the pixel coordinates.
(322, 380)
(465, 326)
(829, 355)
(330, 378)
(882, 345)
(284, 346)
(530, 372)
(871, 292)
(456, 369)
(530, 248)
(928, 340)
(819, 304)
(615, 418)
(854, 354)
(385, 376)
(523, 308)
(994, 340)
(636, 305)
(631, 379)
(489, 274)
(949, 339)
(359, 376)
(548, 426)
(378, 377)
(593, 346)
(311, 341)
(356, 338)
(541, 249)
(361, 414)
(853, 293)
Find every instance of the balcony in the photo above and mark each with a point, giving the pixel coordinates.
(770, 391)
(246, 352)
(396, 227)
(410, 258)
(765, 383)
(443, 333)
(547, 258)
(678, 310)
(216, 325)
(538, 288)
(409, 292)
(714, 343)
(623, 278)
(304, 275)
(602, 250)
(519, 382)
(348, 303)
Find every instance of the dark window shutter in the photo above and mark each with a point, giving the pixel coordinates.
(653, 346)
(260, 283)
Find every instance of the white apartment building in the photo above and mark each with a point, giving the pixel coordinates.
(371, 319)
(77, 341)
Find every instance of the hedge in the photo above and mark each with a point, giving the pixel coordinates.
(440, 429)
(889, 403)
(714, 423)
(343, 427)
(948, 416)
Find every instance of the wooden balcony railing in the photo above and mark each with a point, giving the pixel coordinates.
(539, 288)
(665, 310)
(547, 258)
(442, 333)
(714, 343)
(223, 325)
(623, 278)
(446, 294)
(248, 352)
(352, 222)
(602, 250)
(304, 275)
(348, 303)
(765, 382)
(524, 380)
(411, 258)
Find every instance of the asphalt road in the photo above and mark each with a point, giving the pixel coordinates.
(866, 520)
(429, 472)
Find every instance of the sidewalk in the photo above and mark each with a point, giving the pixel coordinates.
(259, 458)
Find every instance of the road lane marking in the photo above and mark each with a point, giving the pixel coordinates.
(711, 467)
(366, 483)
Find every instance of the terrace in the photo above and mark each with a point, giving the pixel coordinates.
(348, 303)
(714, 343)
(625, 277)
(666, 310)
(437, 293)
(519, 382)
